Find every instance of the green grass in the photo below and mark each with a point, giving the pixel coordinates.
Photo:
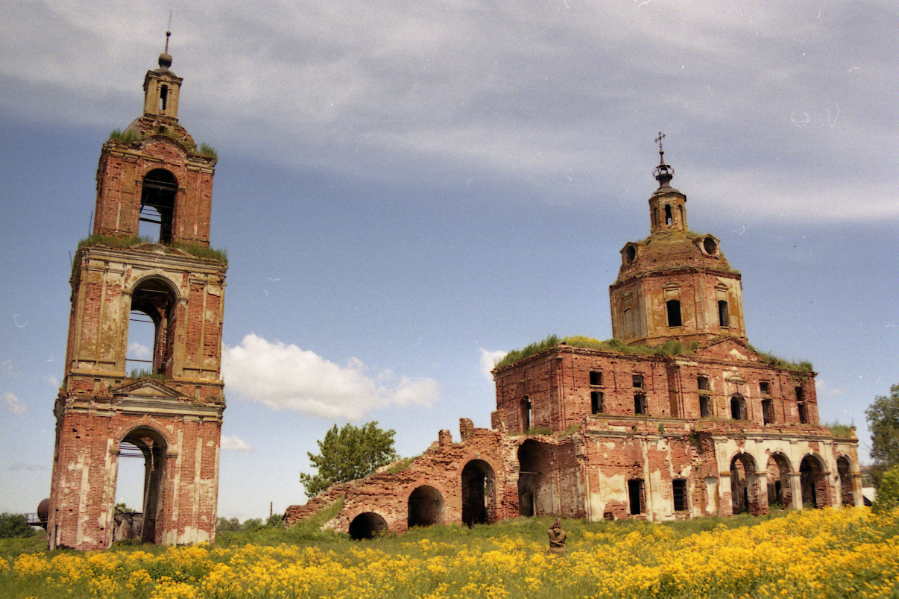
(208, 151)
(840, 430)
(128, 136)
(778, 362)
(194, 249)
(399, 466)
(669, 348)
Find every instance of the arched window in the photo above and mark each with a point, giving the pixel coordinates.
(723, 315)
(163, 97)
(151, 334)
(668, 218)
(674, 317)
(157, 205)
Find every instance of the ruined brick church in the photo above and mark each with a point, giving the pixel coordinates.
(678, 418)
(581, 429)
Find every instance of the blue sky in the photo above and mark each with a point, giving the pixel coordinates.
(403, 189)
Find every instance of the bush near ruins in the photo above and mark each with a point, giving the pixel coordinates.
(14, 525)
(883, 422)
(348, 453)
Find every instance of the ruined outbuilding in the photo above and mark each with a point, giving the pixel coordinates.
(678, 418)
(164, 408)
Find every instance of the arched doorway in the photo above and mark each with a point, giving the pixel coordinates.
(367, 525)
(779, 491)
(844, 469)
(129, 524)
(744, 495)
(814, 485)
(425, 506)
(157, 205)
(151, 330)
(534, 490)
(478, 496)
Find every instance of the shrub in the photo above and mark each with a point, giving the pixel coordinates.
(208, 151)
(888, 491)
(14, 525)
(128, 136)
(841, 431)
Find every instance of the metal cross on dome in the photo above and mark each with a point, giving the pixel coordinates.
(658, 140)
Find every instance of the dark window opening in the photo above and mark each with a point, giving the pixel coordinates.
(723, 316)
(710, 246)
(639, 403)
(163, 97)
(157, 205)
(800, 394)
(702, 382)
(638, 381)
(844, 469)
(151, 331)
(526, 412)
(737, 408)
(478, 497)
(635, 495)
(596, 399)
(813, 483)
(425, 506)
(668, 218)
(674, 318)
(535, 490)
(630, 253)
(595, 377)
(767, 411)
(367, 525)
(679, 491)
(803, 413)
(705, 406)
(765, 388)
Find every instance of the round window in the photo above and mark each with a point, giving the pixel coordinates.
(710, 246)
(630, 252)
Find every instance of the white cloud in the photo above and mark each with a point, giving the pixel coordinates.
(286, 377)
(13, 404)
(138, 351)
(489, 359)
(235, 443)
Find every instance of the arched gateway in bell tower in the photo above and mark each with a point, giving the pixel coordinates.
(161, 296)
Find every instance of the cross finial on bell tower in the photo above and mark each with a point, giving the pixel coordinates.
(663, 172)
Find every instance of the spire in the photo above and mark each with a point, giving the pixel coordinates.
(663, 172)
(165, 59)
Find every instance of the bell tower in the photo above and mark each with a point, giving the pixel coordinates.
(164, 405)
(675, 285)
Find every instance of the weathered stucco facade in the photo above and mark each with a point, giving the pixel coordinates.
(682, 419)
(168, 413)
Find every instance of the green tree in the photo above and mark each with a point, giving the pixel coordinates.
(883, 422)
(888, 492)
(348, 453)
(14, 525)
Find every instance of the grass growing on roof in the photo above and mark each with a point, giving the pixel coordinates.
(840, 430)
(778, 362)
(669, 348)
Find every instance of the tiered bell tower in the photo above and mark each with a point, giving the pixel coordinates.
(675, 285)
(166, 407)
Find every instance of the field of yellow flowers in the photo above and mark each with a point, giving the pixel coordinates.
(835, 553)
